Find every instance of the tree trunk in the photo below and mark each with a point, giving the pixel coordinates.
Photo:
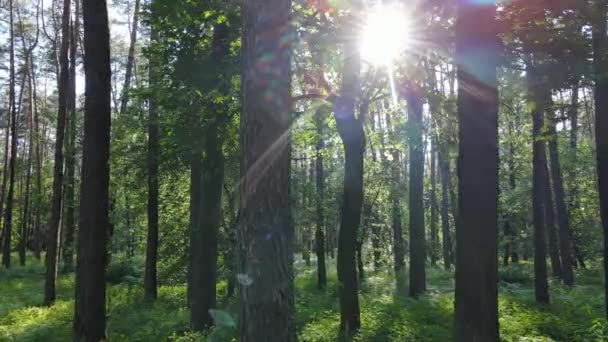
(556, 264)
(434, 237)
(416, 193)
(124, 100)
(8, 211)
(150, 281)
(89, 306)
(444, 173)
(320, 204)
(600, 65)
(476, 293)
(538, 96)
(350, 128)
(563, 218)
(53, 228)
(265, 235)
(204, 243)
(70, 160)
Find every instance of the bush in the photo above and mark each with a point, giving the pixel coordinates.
(123, 272)
(513, 274)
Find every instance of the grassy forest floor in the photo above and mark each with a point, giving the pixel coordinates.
(574, 315)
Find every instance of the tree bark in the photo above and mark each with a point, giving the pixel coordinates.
(600, 66)
(556, 264)
(476, 293)
(89, 306)
(124, 100)
(265, 235)
(150, 281)
(444, 174)
(320, 204)
(53, 228)
(416, 193)
(70, 160)
(538, 97)
(434, 233)
(563, 217)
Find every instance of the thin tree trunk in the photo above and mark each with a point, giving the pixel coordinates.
(535, 85)
(444, 173)
(265, 238)
(476, 293)
(89, 306)
(320, 204)
(434, 233)
(556, 264)
(600, 65)
(124, 100)
(150, 281)
(70, 160)
(416, 193)
(53, 228)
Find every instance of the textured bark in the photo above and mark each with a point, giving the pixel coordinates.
(204, 241)
(265, 237)
(556, 264)
(70, 159)
(563, 217)
(52, 243)
(416, 192)
(320, 202)
(89, 306)
(124, 100)
(8, 211)
(600, 65)
(538, 98)
(476, 293)
(350, 128)
(444, 174)
(150, 281)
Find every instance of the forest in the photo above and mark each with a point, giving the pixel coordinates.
(304, 170)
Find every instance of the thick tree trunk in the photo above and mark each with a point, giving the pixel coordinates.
(476, 294)
(600, 64)
(538, 96)
(124, 100)
(150, 281)
(265, 235)
(89, 306)
(320, 205)
(70, 160)
(563, 217)
(417, 236)
(52, 243)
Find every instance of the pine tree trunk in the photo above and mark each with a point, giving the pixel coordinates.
(434, 232)
(444, 173)
(535, 85)
(124, 100)
(556, 264)
(38, 150)
(70, 160)
(89, 306)
(320, 204)
(265, 238)
(416, 193)
(563, 217)
(53, 235)
(476, 293)
(600, 65)
(150, 281)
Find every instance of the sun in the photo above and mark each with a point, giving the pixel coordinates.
(385, 34)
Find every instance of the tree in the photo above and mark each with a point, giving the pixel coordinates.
(53, 229)
(476, 294)
(264, 237)
(538, 98)
(600, 66)
(319, 200)
(416, 188)
(124, 100)
(89, 307)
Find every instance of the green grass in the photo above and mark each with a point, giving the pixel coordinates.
(386, 313)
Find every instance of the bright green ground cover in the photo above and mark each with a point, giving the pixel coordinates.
(574, 315)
